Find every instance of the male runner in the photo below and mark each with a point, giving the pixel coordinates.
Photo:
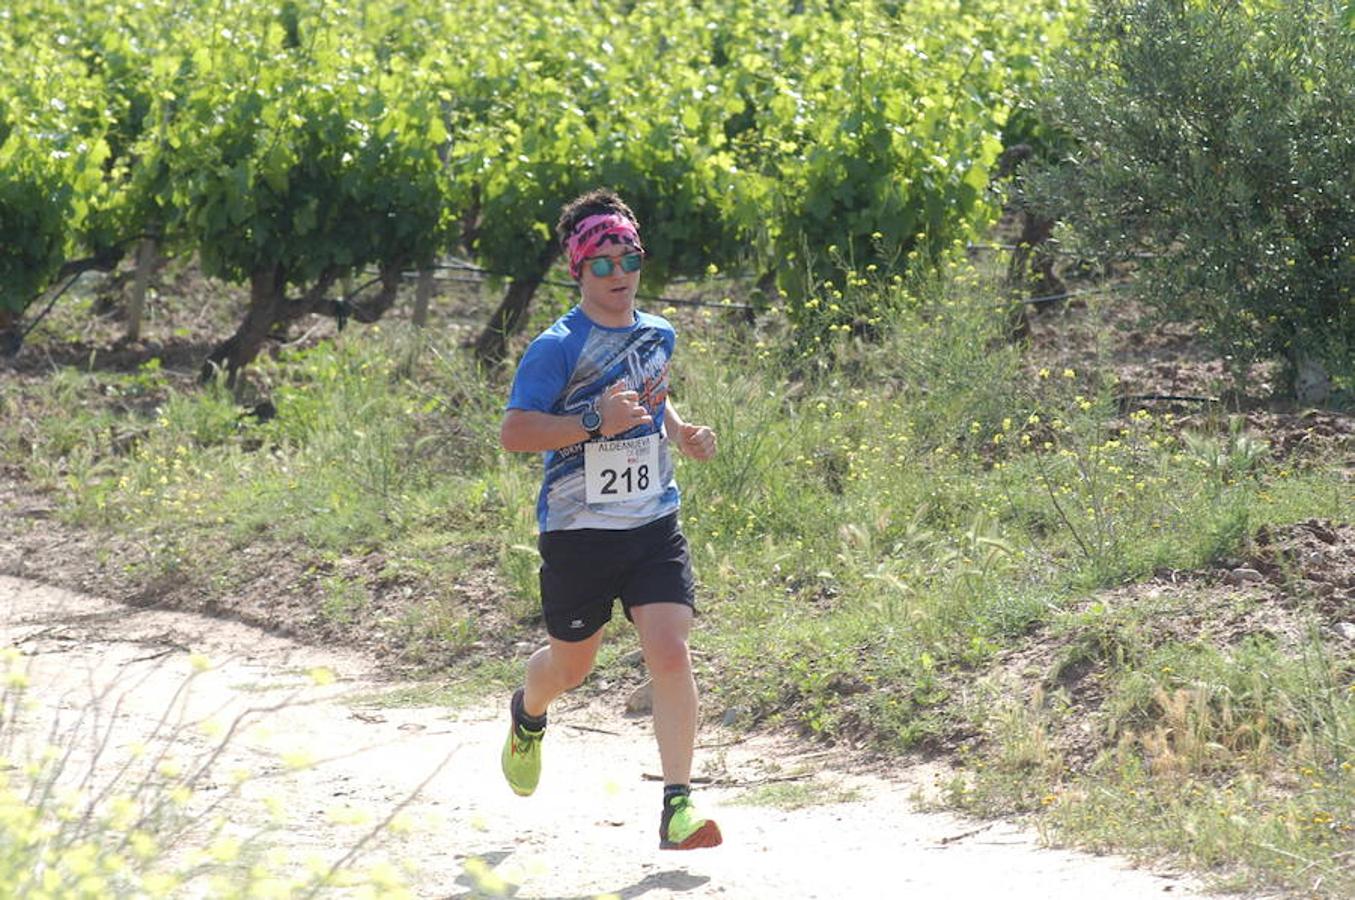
(591, 393)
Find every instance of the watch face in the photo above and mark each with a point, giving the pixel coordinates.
(592, 420)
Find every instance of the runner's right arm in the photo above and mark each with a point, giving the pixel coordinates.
(532, 431)
(529, 431)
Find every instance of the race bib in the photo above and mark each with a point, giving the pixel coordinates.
(622, 470)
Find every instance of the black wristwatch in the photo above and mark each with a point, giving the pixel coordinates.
(591, 421)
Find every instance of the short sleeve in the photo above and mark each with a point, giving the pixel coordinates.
(541, 376)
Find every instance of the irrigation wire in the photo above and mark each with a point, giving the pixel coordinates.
(14, 342)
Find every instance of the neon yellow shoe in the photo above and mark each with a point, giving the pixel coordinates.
(681, 828)
(521, 758)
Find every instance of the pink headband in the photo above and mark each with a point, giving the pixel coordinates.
(592, 232)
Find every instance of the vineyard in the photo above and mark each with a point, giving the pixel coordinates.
(295, 146)
(1026, 328)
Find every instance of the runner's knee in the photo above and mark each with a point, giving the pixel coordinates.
(667, 655)
(571, 670)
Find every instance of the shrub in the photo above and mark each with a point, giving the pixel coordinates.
(1216, 137)
(35, 203)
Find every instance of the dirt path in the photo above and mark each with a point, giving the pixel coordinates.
(591, 828)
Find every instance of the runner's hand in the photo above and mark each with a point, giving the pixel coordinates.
(621, 410)
(697, 441)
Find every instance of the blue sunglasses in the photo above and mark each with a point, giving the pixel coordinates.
(602, 266)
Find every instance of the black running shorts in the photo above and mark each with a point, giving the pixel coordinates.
(583, 571)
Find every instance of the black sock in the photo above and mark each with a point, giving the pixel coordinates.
(520, 717)
(670, 791)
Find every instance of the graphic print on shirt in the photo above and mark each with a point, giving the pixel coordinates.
(640, 359)
(566, 371)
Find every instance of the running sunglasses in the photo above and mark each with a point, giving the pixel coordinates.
(602, 266)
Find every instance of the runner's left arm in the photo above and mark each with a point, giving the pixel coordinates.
(696, 441)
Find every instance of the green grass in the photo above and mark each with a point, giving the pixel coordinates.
(1238, 760)
(792, 795)
(883, 530)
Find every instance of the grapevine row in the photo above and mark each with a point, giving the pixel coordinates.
(289, 144)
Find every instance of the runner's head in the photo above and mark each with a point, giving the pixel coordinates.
(597, 224)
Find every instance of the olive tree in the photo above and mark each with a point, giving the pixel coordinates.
(1220, 138)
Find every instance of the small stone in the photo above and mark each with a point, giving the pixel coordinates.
(641, 700)
(633, 658)
(1345, 630)
(1243, 576)
(733, 715)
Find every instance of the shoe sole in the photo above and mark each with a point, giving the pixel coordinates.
(708, 835)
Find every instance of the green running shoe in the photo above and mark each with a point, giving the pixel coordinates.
(682, 828)
(521, 757)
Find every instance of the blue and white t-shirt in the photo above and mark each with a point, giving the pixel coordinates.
(565, 372)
